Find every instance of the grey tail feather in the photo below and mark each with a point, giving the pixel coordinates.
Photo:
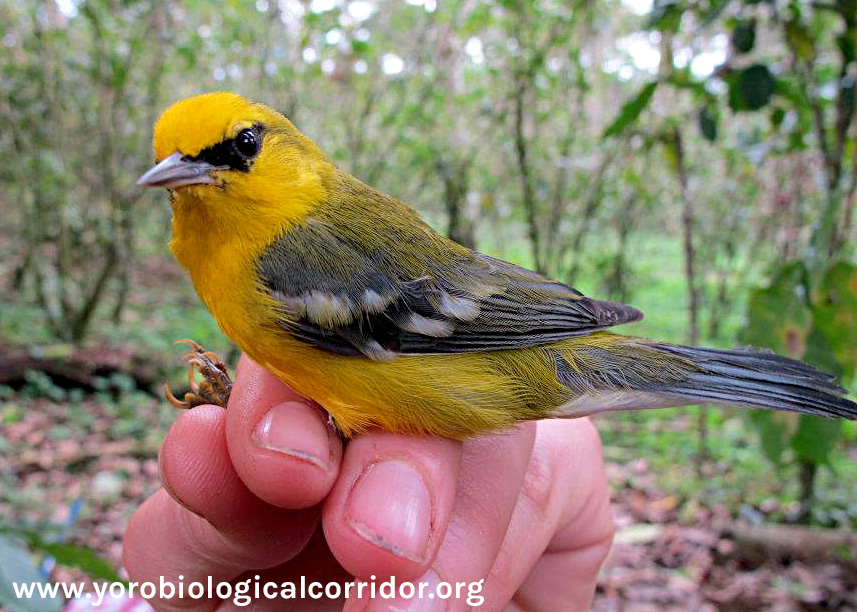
(756, 378)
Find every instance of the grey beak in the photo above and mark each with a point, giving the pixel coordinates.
(175, 171)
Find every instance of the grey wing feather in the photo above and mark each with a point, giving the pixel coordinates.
(359, 303)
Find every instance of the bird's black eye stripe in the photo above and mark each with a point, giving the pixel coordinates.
(235, 153)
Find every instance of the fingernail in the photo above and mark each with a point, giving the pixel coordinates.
(289, 428)
(390, 507)
(429, 602)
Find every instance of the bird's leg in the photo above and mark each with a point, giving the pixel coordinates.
(215, 386)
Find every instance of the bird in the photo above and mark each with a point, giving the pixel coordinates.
(348, 297)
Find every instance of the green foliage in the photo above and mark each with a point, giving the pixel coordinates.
(740, 476)
(666, 16)
(815, 439)
(77, 203)
(81, 557)
(744, 36)
(631, 110)
(778, 115)
(708, 123)
(6, 393)
(813, 321)
(775, 430)
(40, 384)
(835, 314)
(778, 316)
(751, 88)
(799, 39)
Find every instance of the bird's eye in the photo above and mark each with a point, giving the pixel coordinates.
(247, 143)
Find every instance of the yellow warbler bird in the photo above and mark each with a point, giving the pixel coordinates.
(348, 297)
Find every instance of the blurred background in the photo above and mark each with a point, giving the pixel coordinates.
(697, 159)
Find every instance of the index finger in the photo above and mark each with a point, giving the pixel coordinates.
(280, 442)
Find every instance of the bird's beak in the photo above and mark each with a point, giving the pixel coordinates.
(176, 171)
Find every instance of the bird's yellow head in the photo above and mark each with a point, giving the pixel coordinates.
(193, 125)
(229, 162)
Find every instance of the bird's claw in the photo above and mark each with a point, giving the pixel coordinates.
(215, 386)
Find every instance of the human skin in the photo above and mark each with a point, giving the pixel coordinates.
(266, 488)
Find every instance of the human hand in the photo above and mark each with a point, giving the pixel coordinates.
(245, 488)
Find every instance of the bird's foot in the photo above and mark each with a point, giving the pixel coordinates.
(215, 386)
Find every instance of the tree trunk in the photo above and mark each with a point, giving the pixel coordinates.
(808, 471)
(72, 367)
(528, 198)
(456, 178)
(692, 285)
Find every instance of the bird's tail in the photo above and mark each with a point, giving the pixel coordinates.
(659, 375)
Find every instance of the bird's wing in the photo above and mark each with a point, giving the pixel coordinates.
(337, 293)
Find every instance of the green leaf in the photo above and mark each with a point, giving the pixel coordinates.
(777, 116)
(188, 54)
(18, 567)
(835, 314)
(744, 36)
(683, 79)
(70, 555)
(360, 47)
(775, 430)
(797, 141)
(779, 317)
(709, 14)
(631, 110)
(708, 123)
(819, 352)
(671, 153)
(83, 558)
(815, 438)
(751, 88)
(848, 10)
(847, 48)
(478, 20)
(800, 40)
(665, 16)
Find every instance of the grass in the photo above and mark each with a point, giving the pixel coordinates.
(659, 287)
